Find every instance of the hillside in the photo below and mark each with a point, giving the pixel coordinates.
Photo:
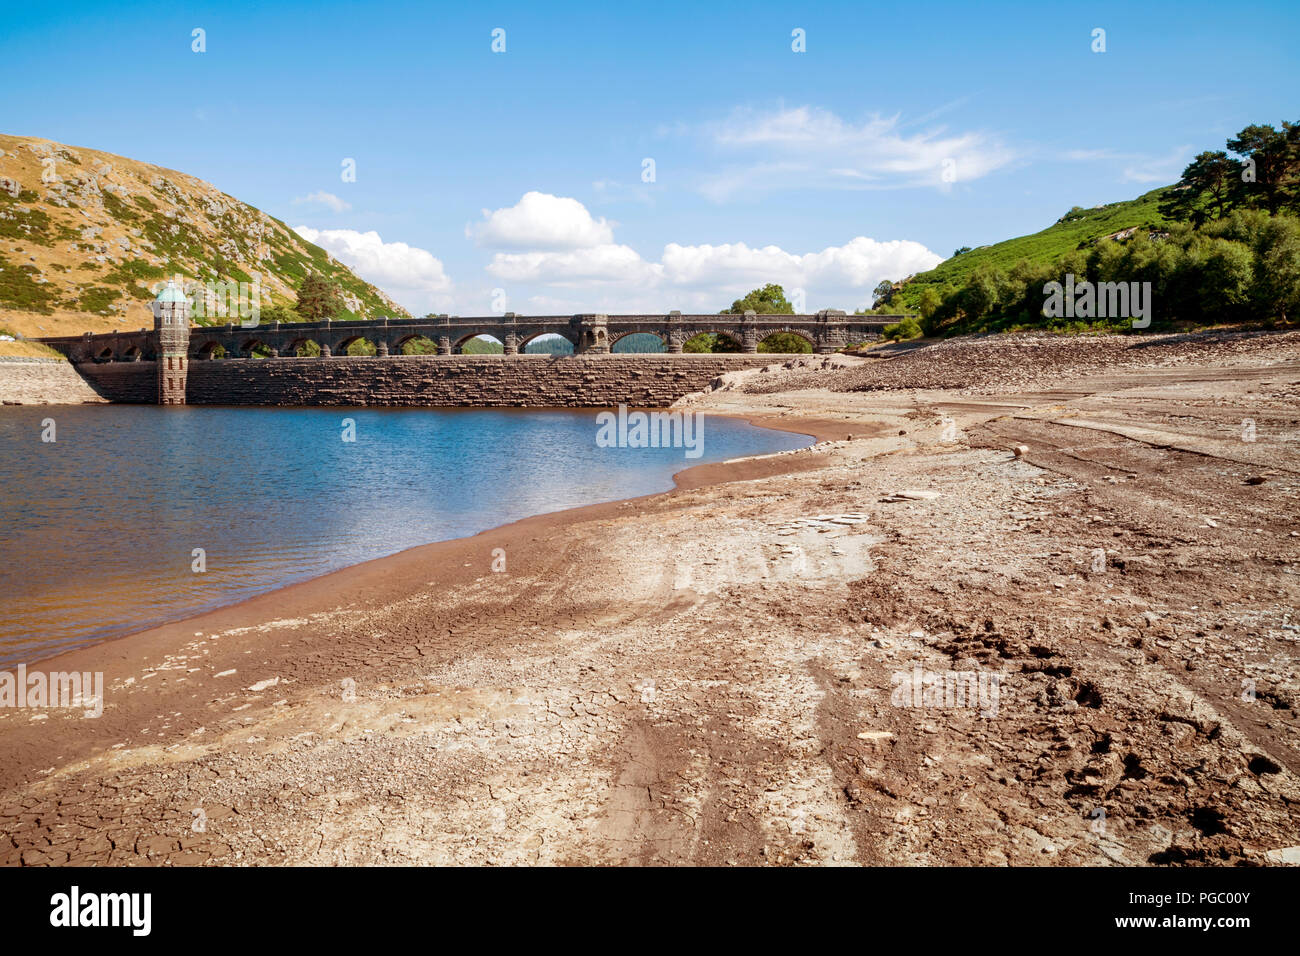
(1076, 229)
(81, 251)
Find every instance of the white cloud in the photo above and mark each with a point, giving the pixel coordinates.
(857, 266)
(807, 147)
(412, 276)
(605, 263)
(1159, 169)
(617, 278)
(324, 199)
(1138, 167)
(541, 221)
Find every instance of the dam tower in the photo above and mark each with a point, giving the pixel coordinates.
(171, 323)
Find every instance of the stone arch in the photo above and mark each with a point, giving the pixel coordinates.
(416, 343)
(458, 347)
(342, 346)
(622, 336)
(733, 338)
(527, 339)
(133, 354)
(807, 336)
(299, 347)
(105, 354)
(207, 350)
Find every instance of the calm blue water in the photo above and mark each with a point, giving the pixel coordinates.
(99, 527)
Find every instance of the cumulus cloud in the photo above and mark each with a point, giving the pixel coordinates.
(604, 263)
(323, 198)
(807, 147)
(858, 265)
(412, 276)
(706, 277)
(541, 221)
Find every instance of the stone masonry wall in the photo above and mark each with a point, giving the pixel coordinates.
(42, 382)
(648, 381)
(131, 382)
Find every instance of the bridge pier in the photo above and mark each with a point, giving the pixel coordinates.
(748, 334)
(592, 334)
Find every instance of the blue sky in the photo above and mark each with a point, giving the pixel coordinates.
(903, 131)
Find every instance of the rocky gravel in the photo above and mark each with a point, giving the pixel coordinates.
(1007, 363)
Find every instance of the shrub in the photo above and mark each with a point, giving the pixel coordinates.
(908, 328)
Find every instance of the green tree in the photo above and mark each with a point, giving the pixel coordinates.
(769, 300)
(318, 298)
(1278, 274)
(278, 313)
(883, 292)
(784, 342)
(905, 329)
(710, 342)
(1267, 176)
(1205, 190)
(980, 293)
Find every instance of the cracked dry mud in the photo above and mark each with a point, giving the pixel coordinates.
(706, 676)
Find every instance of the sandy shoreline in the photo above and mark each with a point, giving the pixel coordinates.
(705, 674)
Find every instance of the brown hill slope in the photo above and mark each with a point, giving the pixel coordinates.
(89, 234)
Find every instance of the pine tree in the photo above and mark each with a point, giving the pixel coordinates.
(318, 298)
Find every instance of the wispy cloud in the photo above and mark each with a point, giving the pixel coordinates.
(1159, 169)
(1137, 167)
(809, 147)
(322, 198)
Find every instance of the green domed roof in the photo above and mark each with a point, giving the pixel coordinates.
(172, 293)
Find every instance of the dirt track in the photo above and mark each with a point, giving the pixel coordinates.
(709, 676)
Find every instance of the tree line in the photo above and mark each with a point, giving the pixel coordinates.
(1229, 251)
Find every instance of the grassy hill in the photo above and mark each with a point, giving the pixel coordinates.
(89, 233)
(1077, 229)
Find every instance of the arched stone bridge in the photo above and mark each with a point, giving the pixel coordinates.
(592, 334)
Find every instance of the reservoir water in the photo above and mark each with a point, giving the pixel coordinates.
(98, 529)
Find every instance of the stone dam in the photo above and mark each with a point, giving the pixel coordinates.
(178, 363)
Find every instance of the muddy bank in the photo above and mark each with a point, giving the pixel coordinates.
(723, 673)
